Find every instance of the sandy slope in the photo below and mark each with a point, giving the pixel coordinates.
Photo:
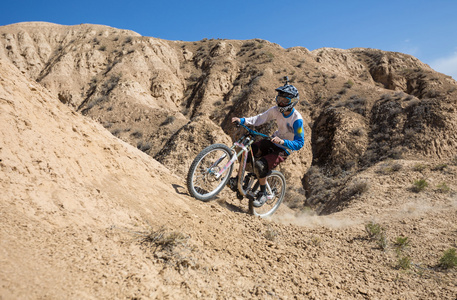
(75, 200)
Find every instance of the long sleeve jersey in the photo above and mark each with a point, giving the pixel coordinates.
(290, 128)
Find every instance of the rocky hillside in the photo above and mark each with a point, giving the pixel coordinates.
(366, 105)
(81, 205)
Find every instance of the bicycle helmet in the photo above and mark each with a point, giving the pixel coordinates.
(290, 92)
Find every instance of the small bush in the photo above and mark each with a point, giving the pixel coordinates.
(116, 132)
(439, 167)
(382, 242)
(248, 44)
(143, 146)
(373, 229)
(419, 167)
(357, 188)
(419, 185)
(349, 84)
(376, 233)
(270, 55)
(163, 239)
(443, 188)
(396, 167)
(137, 134)
(271, 234)
(168, 246)
(316, 241)
(449, 259)
(401, 243)
(433, 93)
(404, 262)
(110, 84)
(389, 168)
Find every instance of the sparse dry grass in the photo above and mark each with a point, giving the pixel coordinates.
(419, 167)
(171, 247)
(443, 188)
(357, 188)
(389, 168)
(271, 234)
(144, 146)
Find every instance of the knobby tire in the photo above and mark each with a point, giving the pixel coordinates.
(277, 183)
(201, 182)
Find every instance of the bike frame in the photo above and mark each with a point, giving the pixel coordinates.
(244, 142)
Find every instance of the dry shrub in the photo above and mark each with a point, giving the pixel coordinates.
(419, 167)
(419, 185)
(449, 259)
(167, 246)
(389, 168)
(404, 262)
(376, 233)
(357, 188)
(271, 234)
(443, 188)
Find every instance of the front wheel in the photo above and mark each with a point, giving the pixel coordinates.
(202, 181)
(276, 189)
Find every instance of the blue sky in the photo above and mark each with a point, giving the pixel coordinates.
(424, 29)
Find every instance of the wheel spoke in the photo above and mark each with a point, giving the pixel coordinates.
(202, 181)
(276, 185)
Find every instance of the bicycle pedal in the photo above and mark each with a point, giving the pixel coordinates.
(232, 184)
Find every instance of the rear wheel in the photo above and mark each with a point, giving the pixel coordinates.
(276, 189)
(202, 181)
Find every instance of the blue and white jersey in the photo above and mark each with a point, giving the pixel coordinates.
(290, 128)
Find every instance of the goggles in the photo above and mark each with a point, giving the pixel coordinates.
(283, 101)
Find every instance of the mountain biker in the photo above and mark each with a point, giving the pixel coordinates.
(288, 138)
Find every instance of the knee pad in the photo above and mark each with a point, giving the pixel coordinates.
(261, 168)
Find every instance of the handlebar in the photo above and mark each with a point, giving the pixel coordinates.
(252, 132)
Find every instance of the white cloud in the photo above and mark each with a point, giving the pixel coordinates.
(446, 65)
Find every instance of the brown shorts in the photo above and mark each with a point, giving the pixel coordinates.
(272, 154)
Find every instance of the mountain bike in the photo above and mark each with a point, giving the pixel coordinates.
(211, 169)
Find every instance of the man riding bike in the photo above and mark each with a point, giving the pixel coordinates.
(288, 138)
